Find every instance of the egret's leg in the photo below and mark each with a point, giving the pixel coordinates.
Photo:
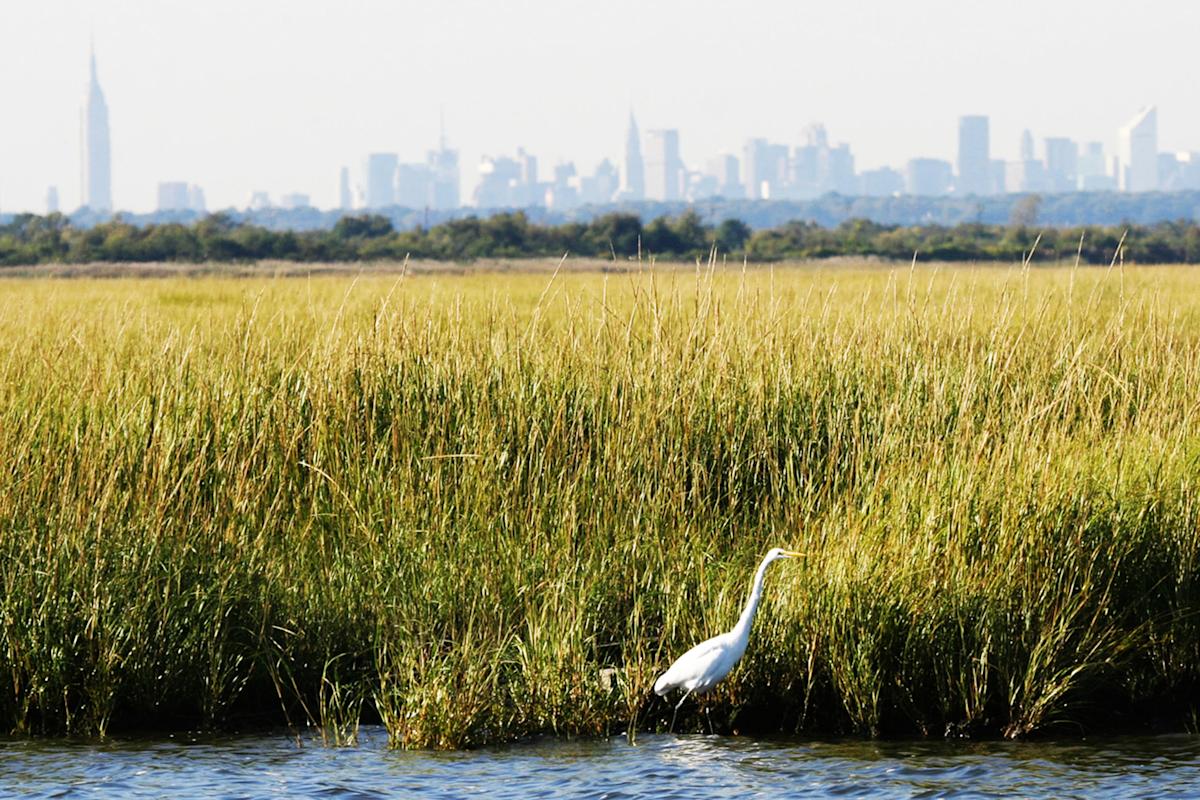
(677, 705)
(709, 718)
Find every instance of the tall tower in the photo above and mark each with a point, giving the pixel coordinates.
(1026, 145)
(96, 177)
(634, 185)
(664, 168)
(345, 199)
(1138, 142)
(974, 158)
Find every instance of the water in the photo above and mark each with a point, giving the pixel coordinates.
(658, 766)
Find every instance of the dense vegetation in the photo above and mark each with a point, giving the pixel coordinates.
(829, 211)
(29, 239)
(479, 507)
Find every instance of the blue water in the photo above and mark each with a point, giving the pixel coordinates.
(658, 766)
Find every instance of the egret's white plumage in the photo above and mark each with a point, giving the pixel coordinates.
(702, 667)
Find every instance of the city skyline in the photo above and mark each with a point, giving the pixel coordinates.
(653, 169)
(234, 111)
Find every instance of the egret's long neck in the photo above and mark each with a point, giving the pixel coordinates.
(747, 619)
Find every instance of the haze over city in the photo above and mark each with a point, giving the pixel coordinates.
(278, 97)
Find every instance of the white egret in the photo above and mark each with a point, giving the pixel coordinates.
(703, 667)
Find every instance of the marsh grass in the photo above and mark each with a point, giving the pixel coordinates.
(454, 503)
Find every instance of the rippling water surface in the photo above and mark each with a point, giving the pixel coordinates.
(657, 766)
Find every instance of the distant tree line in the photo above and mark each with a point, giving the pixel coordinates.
(30, 239)
(828, 211)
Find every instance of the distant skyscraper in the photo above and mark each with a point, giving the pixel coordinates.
(196, 199)
(816, 168)
(803, 171)
(52, 200)
(179, 196)
(766, 169)
(633, 184)
(381, 180)
(928, 177)
(664, 168)
(724, 168)
(499, 182)
(1093, 169)
(999, 169)
(602, 185)
(563, 193)
(443, 163)
(835, 171)
(96, 177)
(974, 158)
(527, 190)
(345, 199)
(414, 184)
(1182, 172)
(1062, 164)
(882, 182)
(172, 196)
(1026, 175)
(1026, 145)
(1138, 152)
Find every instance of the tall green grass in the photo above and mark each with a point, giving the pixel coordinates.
(477, 508)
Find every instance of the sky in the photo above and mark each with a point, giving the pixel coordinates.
(278, 96)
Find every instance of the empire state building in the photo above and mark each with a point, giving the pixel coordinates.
(96, 190)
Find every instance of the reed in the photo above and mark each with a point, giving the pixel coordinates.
(482, 507)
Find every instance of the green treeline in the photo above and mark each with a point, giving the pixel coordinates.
(30, 239)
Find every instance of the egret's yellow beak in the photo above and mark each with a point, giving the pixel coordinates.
(793, 554)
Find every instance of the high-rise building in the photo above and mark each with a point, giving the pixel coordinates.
(381, 180)
(974, 157)
(444, 180)
(1026, 145)
(816, 168)
(601, 186)
(928, 177)
(803, 171)
(527, 191)
(196, 199)
(664, 168)
(345, 199)
(563, 192)
(999, 169)
(1093, 169)
(179, 196)
(1138, 152)
(1025, 175)
(414, 186)
(172, 196)
(835, 171)
(499, 182)
(96, 174)
(52, 200)
(1179, 172)
(882, 182)
(432, 184)
(724, 169)
(766, 169)
(1062, 164)
(633, 183)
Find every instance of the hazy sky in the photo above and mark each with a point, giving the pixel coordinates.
(274, 95)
